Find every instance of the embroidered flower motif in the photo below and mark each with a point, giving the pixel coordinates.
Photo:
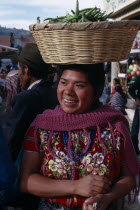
(87, 159)
(84, 138)
(106, 135)
(95, 169)
(60, 155)
(102, 170)
(98, 158)
(43, 136)
(90, 168)
(62, 168)
(52, 165)
(74, 136)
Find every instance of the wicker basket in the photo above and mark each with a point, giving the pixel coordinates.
(85, 43)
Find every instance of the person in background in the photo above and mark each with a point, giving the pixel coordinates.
(134, 91)
(12, 87)
(119, 100)
(0, 66)
(79, 150)
(8, 171)
(105, 97)
(116, 81)
(6, 163)
(12, 39)
(37, 95)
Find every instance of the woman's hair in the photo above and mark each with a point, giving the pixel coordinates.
(94, 72)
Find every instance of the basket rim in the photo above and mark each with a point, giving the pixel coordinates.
(81, 26)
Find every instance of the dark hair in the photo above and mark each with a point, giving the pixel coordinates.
(119, 89)
(41, 74)
(117, 80)
(95, 74)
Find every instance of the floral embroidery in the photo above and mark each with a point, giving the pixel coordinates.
(53, 165)
(97, 160)
(86, 160)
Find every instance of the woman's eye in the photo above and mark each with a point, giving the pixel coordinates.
(80, 86)
(63, 82)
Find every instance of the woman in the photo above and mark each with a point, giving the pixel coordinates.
(78, 150)
(119, 100)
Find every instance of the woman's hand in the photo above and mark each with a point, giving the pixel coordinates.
(92, 185)
(102, 201)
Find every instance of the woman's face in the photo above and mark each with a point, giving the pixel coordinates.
(74, 92)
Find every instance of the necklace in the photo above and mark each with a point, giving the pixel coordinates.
(72, 154)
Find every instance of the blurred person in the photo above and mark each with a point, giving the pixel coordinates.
(134, 91)
(37, 95)
(12, 87)
(1, 78)
(12, 39)
(105, 97)
(119, 100)
(8, 171)
(0, 66)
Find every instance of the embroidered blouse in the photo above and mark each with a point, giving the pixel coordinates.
(101, 158)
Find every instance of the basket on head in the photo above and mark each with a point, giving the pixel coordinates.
(85, 43)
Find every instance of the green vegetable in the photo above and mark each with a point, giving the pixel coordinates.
(77, 9)
(84, 15)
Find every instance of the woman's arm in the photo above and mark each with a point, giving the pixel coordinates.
(34, 183)
(124, 185)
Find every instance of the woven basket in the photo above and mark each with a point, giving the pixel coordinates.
(85, 43)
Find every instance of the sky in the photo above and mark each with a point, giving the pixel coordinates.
(21, 13)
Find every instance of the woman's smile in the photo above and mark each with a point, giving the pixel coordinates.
(68, 101)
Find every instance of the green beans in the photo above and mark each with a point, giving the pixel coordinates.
(84, 15)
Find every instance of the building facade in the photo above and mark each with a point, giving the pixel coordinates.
(123, 9)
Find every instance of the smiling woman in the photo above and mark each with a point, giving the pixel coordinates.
(80, 149)
(78, 85)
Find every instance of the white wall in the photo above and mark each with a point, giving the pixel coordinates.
(115, 5)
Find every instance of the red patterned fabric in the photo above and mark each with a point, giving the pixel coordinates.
(59, 166)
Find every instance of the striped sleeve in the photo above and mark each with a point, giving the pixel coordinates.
(31, 141)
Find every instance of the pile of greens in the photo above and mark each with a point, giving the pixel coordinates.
(84, 15)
